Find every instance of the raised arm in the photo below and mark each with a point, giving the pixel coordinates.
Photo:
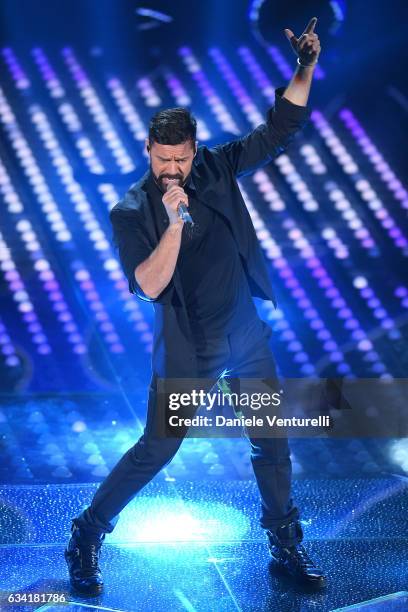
(307, 50)
(284, 119)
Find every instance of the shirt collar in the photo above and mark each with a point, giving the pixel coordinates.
(190, 182)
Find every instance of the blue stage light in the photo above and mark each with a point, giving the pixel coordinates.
(166, 519)
(399, 453)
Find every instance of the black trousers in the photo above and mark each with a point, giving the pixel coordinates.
(246, 354)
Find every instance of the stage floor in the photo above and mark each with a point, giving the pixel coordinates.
(197, 546)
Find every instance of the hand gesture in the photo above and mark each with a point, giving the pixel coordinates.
(307, 46)
(171, 200)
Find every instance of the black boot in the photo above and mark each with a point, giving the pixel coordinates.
(290, 555)
(82, 555)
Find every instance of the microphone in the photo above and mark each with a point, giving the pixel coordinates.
(184, 214)
(182, 210)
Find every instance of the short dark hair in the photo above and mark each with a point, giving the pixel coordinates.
(173, 126)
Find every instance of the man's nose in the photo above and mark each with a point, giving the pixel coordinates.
(173, 167)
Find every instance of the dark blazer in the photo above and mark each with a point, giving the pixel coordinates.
(137, 231)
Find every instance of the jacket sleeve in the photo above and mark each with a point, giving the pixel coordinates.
(268, 140)
(132, 244)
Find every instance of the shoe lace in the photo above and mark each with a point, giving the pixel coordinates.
(302, 557)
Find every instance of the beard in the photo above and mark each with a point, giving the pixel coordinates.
(162, 183)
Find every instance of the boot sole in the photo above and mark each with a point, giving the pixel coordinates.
(79, 591)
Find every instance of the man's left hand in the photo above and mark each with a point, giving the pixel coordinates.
(307, 46)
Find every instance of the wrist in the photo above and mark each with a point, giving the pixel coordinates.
(175, 226)
(306, 65)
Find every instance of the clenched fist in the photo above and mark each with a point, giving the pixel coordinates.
(171, 199)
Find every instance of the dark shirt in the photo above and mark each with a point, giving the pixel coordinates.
(214, 175)
(216, 291)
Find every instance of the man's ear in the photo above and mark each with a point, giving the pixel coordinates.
(147, 145)
(196, 147)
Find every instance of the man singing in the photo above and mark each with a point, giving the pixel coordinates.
(201, 281)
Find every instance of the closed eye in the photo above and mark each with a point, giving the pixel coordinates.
(162, 159)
